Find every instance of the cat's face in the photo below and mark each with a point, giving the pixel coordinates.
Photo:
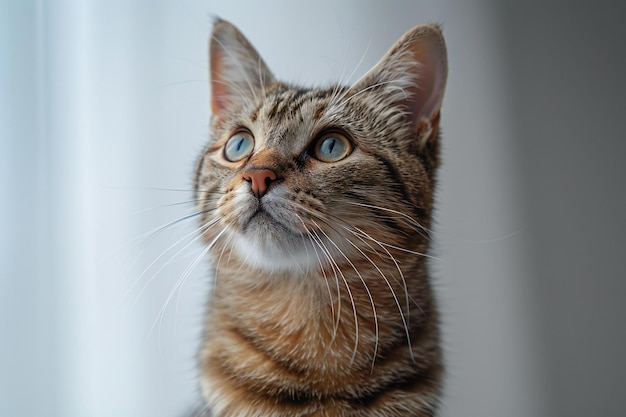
(302, 179)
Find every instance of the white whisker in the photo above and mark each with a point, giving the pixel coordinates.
(181, 281)
(133, 243)
(408, 296)
(405, 216)
(198, 231)
(337, 269)
(393, 293)
(369, 294)
(219, 259)
(315, 244)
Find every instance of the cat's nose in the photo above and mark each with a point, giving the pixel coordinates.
(260, 180)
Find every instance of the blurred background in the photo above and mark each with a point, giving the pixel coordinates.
(104, 107)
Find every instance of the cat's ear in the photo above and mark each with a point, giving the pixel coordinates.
(413, 74)
(238, 73)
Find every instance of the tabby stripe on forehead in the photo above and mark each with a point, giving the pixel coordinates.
(291, 104)
(299, 99)
(280, 103)
(308, 96)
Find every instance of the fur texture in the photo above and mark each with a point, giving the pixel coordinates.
(318, 235)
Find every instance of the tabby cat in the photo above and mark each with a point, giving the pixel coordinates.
(316, 206)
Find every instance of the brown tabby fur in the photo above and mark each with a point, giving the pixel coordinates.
(322, 303)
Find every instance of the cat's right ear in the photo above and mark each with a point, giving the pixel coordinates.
(412, 74)
(238, 73)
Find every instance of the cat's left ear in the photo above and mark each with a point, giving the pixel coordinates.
(238, 73)
(413, 73)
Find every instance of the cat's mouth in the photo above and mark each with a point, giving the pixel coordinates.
(262, 219)
(267, 242)
(260, 215)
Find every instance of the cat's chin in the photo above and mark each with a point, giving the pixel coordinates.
(268, 245)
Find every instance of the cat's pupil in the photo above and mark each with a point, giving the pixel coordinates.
(331, 146)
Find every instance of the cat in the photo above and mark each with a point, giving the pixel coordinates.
(316, 206)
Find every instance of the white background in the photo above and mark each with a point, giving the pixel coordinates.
(104, 107)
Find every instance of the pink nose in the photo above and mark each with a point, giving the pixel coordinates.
(260, 180)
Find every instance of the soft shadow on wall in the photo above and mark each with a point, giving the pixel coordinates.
(565, 66)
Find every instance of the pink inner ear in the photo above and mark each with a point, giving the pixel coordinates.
(427, 93)
(237, 71)
(219, 90)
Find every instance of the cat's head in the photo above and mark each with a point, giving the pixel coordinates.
(298, 179)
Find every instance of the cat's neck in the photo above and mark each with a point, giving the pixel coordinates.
(311, 337)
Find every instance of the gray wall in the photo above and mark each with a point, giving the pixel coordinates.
(104, 106)
(566, 65)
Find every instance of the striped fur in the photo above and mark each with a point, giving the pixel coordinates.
(322, 303)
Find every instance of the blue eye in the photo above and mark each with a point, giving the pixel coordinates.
(332, 147)
(238, 146)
